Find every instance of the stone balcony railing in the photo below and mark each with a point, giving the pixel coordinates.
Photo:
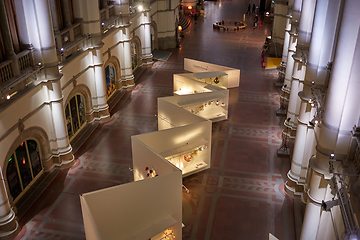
(12, 72)
(68, 35)
(108, 18)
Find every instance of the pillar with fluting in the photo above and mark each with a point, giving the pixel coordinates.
(341, 114)
(320, 53)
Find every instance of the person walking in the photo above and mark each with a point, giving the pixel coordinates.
(253, 9)
(256, 19)
(249, 9)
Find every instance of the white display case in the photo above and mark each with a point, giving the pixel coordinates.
(187, 148)
(196, 66)
(136, 210)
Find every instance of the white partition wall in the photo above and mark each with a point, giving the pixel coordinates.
(187, 148)
(198, 66)
(150, 208)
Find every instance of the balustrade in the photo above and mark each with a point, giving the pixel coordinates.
(12, 68)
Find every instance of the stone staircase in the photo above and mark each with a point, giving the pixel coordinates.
(184, 21)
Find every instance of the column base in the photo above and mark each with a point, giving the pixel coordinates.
(283, 152)
(279, 83)
(281, 112)
(9, 227)
(293, 187)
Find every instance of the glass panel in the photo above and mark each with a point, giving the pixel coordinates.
(112, 77)
(13, 178)
(107, 77)
(81, 108)
(68, 120)
(23, 164)
(74, 115)
(34, 156)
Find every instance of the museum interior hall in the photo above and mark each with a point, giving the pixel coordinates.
(194, 120)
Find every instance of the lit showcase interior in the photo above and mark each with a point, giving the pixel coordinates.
(181, 147)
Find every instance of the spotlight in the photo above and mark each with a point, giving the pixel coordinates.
(8, 97)
(332, 156)
(312, 104)
(61, 49)
(312, 82)
(140, 8)
(189, 7)
(316, 121)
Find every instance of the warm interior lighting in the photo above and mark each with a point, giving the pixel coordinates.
(189, 7)
(140, 8)
(180, 28)
(8, 97)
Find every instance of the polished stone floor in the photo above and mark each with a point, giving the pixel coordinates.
(241, 196)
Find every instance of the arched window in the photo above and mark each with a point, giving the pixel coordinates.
(75, 114)
(23, 167)
(110, 79)
(134, 56)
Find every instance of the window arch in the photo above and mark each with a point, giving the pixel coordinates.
(110, 79)
(75, 114)
(23, 167)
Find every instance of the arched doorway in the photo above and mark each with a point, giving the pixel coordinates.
(134, 55)
(75, 114)
(110, 79)
(24, 167)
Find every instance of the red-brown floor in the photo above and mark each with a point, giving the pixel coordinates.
(241, 195)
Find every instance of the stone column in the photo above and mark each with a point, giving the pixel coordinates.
(99, 83)
(8, 225)
(124, 48)
(91, 19)
(146, 37)
(50, 73)
(341, 114)
(290, 61)
(53, 16)
(305, 28)
(66, 10)
(320, 53)
(5, 32)
(8, 44)
(282, 67)
(279, 22)
(103, 4)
